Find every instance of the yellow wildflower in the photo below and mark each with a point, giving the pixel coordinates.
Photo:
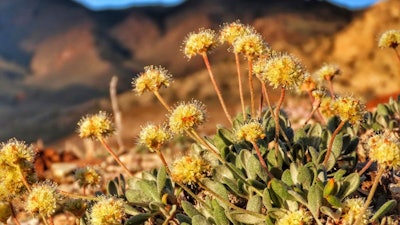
(189, 169)
(200, 42)
(152, 79)
(187, 116)
(95, 126)
(389, 39)
(153, 137)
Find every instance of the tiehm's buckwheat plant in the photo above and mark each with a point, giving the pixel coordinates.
(256, 170)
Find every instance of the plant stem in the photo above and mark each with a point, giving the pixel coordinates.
(23, 178)
(201, 141)
(369, 163)
(161, 156)
(44, 219)
(397, 54)
(221, 100)
(162, 101)
(277, 125)
(14, 214)
(262, 161)
(76, 196)
(337, 130)
(102, 141)
(266, 95)
(370, 195)
(240, 84)
(250, 65)
(331, 91)
(316, 104)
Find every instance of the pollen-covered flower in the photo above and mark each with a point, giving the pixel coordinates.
(299, 217)
(385, 150)
(251, 132)
(87, 176)
(281, 70)
(352, 209)
(42, 199)
(326, 106)
(152, 79)
(153, 136)
(327, 72)
(95, 126)
(251, 45)
(107, 211)
(15, 153)
(189, 169)
(187, 116)
(231, 31)
(349, 109)
(389, 39)
(200, 42)
(309, 84)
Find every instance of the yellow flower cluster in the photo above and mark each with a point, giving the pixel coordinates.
(200, 42)
(152, 79)
(95, 126)
(281, 70)
(385, 150)
(187, 116)
(231, 31)
(107, 211)
(251, 132)
(87, 176)
(352, 209)
(5, 212)
(251, 45)
(299, 217)
(389, 39)
(42, 199)
(189, 169)
(348, 109)
(327, 72)
(16, 160)
(153, 137)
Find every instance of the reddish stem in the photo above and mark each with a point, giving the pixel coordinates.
(240, 85)
(114, 156)
(337, 130)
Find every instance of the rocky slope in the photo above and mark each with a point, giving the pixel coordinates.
(56, 57)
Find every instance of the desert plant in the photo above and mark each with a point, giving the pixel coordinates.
(257, 170)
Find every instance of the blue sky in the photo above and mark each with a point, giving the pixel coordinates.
(118, 4)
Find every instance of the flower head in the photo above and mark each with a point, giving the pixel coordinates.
(16, 153)
(187, 116)
(326, 105)
(153, 136)
(231, 31)
(87, 176)
(189, 169)
(309, 84)
(251, 45)
(280, 70)
(299, 217)
(389, 39)
(385, 150)
(107, 211)
(327, 72)
(200, 42)
(95, 126)
(152, 79)
(352, 208)
(251, 132)
(349, 109)
(42, 199)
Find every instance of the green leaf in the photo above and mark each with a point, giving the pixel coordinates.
(385, 208)
(267, 199)
(161, 179)
(305, 176)
(246, 218)
(138, 219)
(281, 189)
(298, 197)
(253, 165)
(349, 185)
(254, 204)
(314, 198)
(137, 196)
(189, 209)
(334, 201)
(218, 188)
(149, 188)
(219, 214)
(329, 212)
(287, 178)
(199, 220)
(112, 188)
(182, 218)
